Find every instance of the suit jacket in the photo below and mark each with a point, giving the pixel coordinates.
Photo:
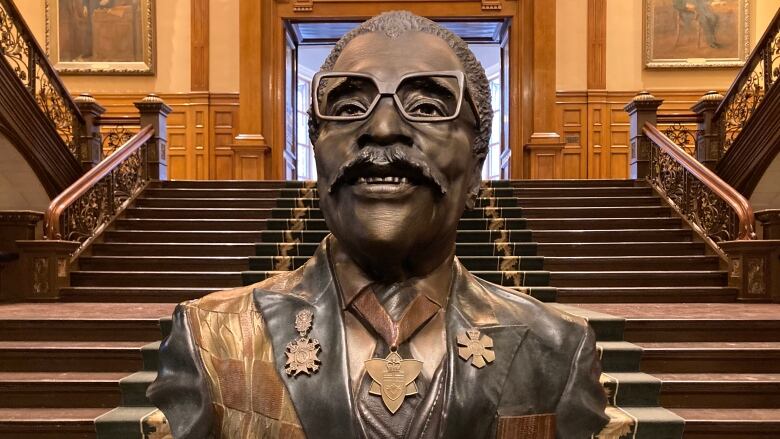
(221, 370)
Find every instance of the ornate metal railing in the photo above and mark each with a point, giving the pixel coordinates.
(24, 56)
(83, 210)
(682, 129)
(116, 131)
(707, 202)
(760, 73)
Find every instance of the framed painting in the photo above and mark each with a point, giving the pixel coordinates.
(101, 36)
(696, 33)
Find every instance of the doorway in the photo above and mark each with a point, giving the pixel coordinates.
(309, 43)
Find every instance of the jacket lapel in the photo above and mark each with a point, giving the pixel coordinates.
(322, 400)
(472, 395)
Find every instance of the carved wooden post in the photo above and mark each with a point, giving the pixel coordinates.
(90, 147)
(708, 139)
(770, 222)
(154, 112)
(46, 265)
(754, 269)
(15, 225)
(643, 108)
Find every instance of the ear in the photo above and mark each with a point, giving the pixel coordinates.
(475, 182)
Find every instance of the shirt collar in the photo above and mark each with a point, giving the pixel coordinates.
(352, 280)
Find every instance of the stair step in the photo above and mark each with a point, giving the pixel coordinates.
(270, 263)
(558, 201)
(461, 249)
(74, 356)
(636, 278)
(645, 295)
(620, 248)
(60, 389)
(202, 249)
(198, 213)
(234, 203)
(133, 294)
(633, 389)
(190, 224)
(604, 191)
(464, 236)
(232, 184)
(715, 357)
(730, 423)
(134, 388)
(226, 192)
(163, 263)
(602, 223)
(464, 224)
(615, 235)
(314, 203)
(49, 423)
(214, 279)
(720, 390)
(596, 212)
(705, 322)
(652, 263)
(558, 183)
(81, 321)
(506, 278)
(176, 236)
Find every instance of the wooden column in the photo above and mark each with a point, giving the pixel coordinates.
(642, 109)
(543, 149)
(154, 112)
(91, 149)
(709, 138)
(597, 44)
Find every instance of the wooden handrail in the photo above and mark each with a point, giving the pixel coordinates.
(90, 179)
(41, 58)
(734, 199)
(754, 58)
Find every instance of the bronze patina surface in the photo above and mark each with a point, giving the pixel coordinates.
(398, 339)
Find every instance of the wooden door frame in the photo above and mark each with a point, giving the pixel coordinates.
(531, 109)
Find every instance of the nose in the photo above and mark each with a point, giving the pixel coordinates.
(385, 126)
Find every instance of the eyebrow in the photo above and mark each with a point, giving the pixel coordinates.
(437, 83)
(344, 84)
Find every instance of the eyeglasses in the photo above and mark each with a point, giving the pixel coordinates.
(419, 97)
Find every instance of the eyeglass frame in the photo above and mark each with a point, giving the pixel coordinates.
(383, 89)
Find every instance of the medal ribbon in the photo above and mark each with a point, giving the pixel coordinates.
(367, 307)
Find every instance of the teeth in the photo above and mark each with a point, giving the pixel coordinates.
(404, 180)
(376, 180)
(361, 180)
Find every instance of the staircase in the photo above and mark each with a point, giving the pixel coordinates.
(668, 327)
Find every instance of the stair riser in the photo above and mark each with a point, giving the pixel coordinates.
(173, 237)
(604, 212)
(584, 192)
(154, 224)
(558, 201)
(724, 361)
(76, 295)
(731, 430)
(109, 279)
(657, 264)
(528, 279)
(48, 430)
(268, 263)
(152, 264)
(211, 203)
(487, 237)
(53, 395)
(118, 249)
(198, 213)
(682, 330)
(621, 249)
(720, 395)
(670, 295)
(464, 224)
(581, 236)
(602, 223)
(79, 330)
(598, 280)
(461, 250)
(71, 360)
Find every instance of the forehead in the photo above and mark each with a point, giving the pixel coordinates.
(389, 58)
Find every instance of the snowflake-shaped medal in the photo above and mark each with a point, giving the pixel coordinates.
(302, 353)
(471, 344)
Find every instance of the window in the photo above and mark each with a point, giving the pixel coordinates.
(492, 167)
(306, 167)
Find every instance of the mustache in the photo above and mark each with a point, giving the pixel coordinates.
(395, 157)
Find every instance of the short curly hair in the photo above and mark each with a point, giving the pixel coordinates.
(394, 24)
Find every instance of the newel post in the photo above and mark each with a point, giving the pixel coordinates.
(154, 112)
(708, 141)
(90, 143)
(643, 108)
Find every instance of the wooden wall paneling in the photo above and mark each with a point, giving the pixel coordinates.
(597, 44)
(224, 128)
(199, 67)
(573, 126)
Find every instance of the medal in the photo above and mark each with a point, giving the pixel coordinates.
(471, 344)
(393, 379)
(302, 353)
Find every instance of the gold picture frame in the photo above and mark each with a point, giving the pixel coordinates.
(101, 37)
(696, 33)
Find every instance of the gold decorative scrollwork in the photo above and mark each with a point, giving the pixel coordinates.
(114, 137)
(683, 136)
(13, 46)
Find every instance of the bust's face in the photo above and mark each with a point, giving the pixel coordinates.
(394, 174)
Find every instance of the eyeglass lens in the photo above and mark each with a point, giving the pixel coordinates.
(419, 97)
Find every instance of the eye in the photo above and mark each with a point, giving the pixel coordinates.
(425, 108)
(349, 108)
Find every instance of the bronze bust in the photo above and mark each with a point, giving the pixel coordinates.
(382, 333)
